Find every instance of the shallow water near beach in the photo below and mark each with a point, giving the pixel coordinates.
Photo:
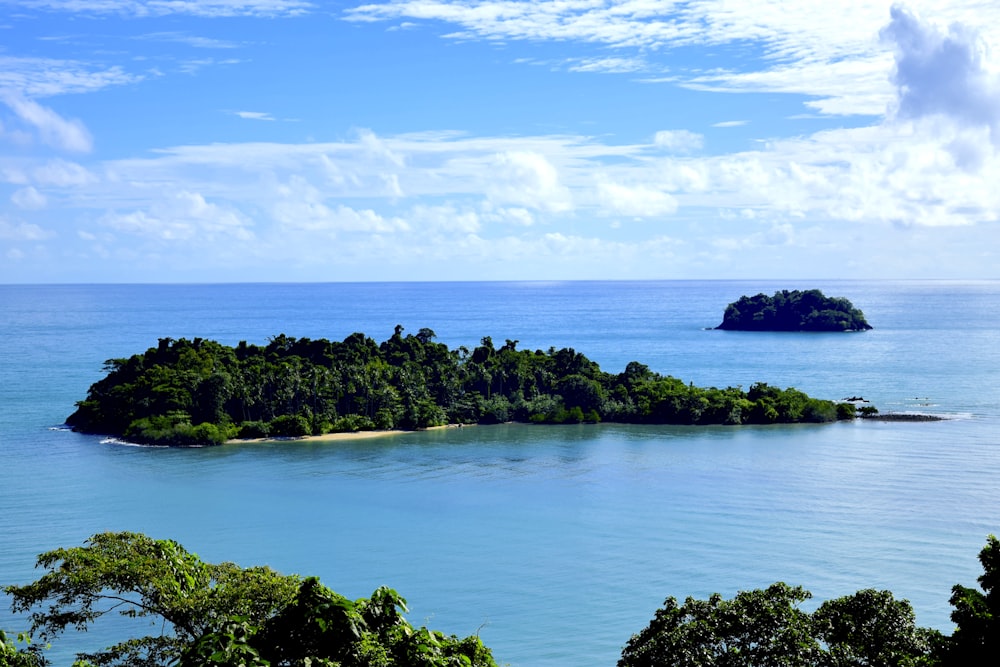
(554, 544)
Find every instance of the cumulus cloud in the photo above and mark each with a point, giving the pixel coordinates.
(22, 231)
(186, 216)
(317, 217)
(529, 179)
(303, 207)
(507, 215)
(52, 129)
(942, 71)
(28, 198)
(636, 200)
(680, 141)
(443, 219)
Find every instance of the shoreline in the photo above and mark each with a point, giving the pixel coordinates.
(333, 437)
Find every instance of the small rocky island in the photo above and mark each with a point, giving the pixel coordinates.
(793, 310)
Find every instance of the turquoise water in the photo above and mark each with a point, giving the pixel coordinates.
(553, 543)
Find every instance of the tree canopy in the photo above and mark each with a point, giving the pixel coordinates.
(200, 392)
(219, 614)
(870, 628)
(225, 616)
(766, 628)
(793, 310)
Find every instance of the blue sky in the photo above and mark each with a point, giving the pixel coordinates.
(288, 140)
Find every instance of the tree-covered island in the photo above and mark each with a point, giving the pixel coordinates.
(200, 392)
(793, 310)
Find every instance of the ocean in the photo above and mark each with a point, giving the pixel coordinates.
(553, 543)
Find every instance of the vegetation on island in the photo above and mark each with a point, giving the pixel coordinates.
(222, 615)
(200, 392)
(793, 310)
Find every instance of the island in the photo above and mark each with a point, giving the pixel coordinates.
(200, 392)
(794, 310)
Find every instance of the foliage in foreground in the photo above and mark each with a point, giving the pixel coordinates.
(793, 310)
(201, 392)
(766, 628)
(225, 616)
(219, 615)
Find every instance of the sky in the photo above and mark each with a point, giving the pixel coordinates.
(425, 140)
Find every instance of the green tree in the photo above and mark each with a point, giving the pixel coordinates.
(137, 576)
(766, 628)
(871, 628)
(976, 640)
(218, 615)
(13, 656)
(321, 627)
(759, 628)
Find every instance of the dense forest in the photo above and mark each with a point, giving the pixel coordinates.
(221, 615)
(200, 392)
(794, 310)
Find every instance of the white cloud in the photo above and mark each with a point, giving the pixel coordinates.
(190, 40)
(507, 215)
(254, 115)
(942, 72)
(680, 141)
(636, 200)
(28, 198)
(194, 65)
(895, 173)
(730, 123)
(316, 217)
(830, 52)
(303, 207)
(45, 77)
(843, 87)
(528, 179)
(186, 216)
(144, 8)
(23, 231)
(62, 173)
(53, 129)
(445, 219)
(607, 65)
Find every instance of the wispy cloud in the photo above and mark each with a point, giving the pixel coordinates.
(190, 40)
(144, 8)
(730, 123)
(607, 65)
(47, 77)
(254, 115)
(52, 129)
(195, 65)
(825, 51)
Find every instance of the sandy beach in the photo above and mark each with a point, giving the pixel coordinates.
(330, 437)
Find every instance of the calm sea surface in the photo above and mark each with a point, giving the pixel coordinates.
(555, 544)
